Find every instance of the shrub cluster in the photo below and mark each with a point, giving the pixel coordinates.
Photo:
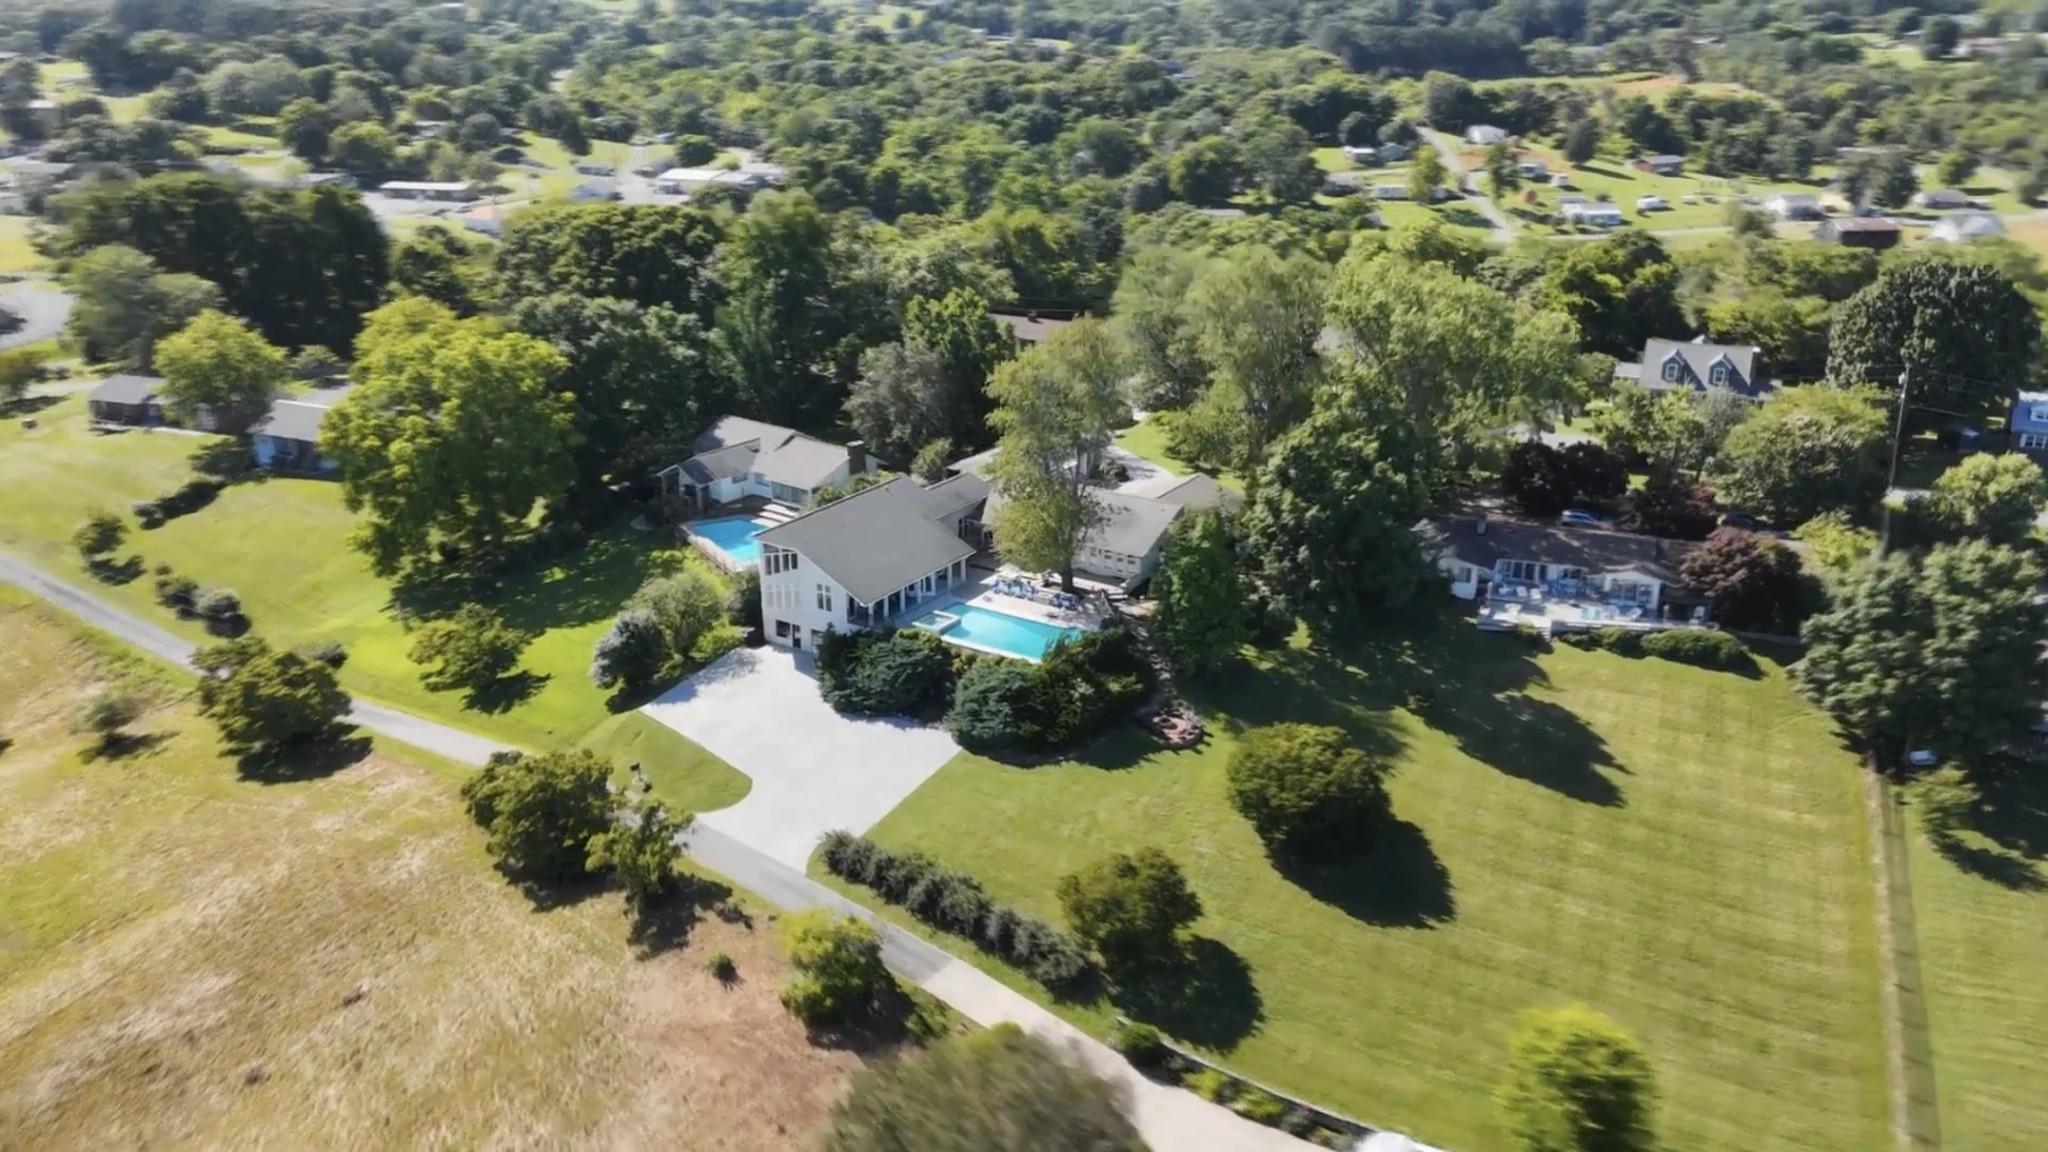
(187, 499)
(175, 591)
(325, 652)
(955, 902)
(906, 673)
(1696, 646)
(1081, 687)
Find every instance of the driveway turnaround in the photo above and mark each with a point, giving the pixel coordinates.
(813, 770)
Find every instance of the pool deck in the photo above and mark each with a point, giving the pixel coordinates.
(982, 594)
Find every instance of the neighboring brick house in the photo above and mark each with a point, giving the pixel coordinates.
(1670, 365)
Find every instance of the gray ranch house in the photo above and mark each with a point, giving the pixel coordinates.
(738, 458)
(287, 438)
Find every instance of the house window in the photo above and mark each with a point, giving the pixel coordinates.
(789, 495)
(775, 561)
(825, 597)
(782, 629)
(925, 585)
(1524, 571)
(1719, 376)
(2034, 441)
(2038, 415)
(1673, 370)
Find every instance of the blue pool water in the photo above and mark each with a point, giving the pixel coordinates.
(734, 536)
(999, 631)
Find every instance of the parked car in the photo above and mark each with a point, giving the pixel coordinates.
(1580, 517)
(1922, 758)
(1744, 521)
(1652, 204)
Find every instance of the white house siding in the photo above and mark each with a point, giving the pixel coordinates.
(793, 616)
(790, 613)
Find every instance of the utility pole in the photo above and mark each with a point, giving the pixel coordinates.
(1891, 479)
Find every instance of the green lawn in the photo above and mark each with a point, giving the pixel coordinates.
(16, 254)
(1982, 918)
(281, 544)
(1684, 850)
(1147, 438)
(684, 776)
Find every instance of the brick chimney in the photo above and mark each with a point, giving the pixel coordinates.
(856, 458)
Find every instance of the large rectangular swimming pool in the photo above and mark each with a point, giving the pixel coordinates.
(972, 626)
(734, 536)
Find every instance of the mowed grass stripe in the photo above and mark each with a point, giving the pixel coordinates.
(1683, 849)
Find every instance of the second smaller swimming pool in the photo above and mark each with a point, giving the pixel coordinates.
(734, 536)
(971, 626)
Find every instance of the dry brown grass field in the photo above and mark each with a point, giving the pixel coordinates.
(193, 959)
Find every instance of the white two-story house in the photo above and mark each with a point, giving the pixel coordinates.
(867, 559)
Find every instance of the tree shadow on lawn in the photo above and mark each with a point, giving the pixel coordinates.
(121, 746)
(506, 692)
(1207, 998)
(2012, 814)
(1472, 686)
(665, 925)
(585, 586)
(304, 760)
(1401, 883)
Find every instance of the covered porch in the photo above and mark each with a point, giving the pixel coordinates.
(950, 582)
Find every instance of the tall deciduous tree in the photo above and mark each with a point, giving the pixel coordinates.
(123, 305)
(790, 305)
(428, 441)
(1331, 521)
(647, 253)
(542, 812)
(1256, 320)
(1576, 1082)
(1131, 908)
(1965, 332)
(219, 364)
(1056, 408)
(1426, 174)
(263, 699)
(1941, 652)
(1201, 620)
(1750, 582)
(639, 375)
(1808, 451)
(1455, 357)
(1004, 1090)
(641, 853)
(1152, 320)
(302, 265)
(1986, 497)
(1309, 791)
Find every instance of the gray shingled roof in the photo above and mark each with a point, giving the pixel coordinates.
(782, 455)
(722, 463)
(877, 540)
(1587, 548)
(1201, 491)
(1131, 524)
(299, 417)
(1701, 357)
(126, 389)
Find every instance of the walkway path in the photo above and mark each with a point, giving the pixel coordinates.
(1170, 1119)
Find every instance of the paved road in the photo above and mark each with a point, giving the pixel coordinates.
(440, 739)
(1447, 149)
(1170, 1119)
(43, 307)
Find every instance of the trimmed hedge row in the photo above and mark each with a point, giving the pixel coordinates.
(1699, 647)
(955, 902)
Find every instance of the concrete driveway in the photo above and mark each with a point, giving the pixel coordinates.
(813, 770)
